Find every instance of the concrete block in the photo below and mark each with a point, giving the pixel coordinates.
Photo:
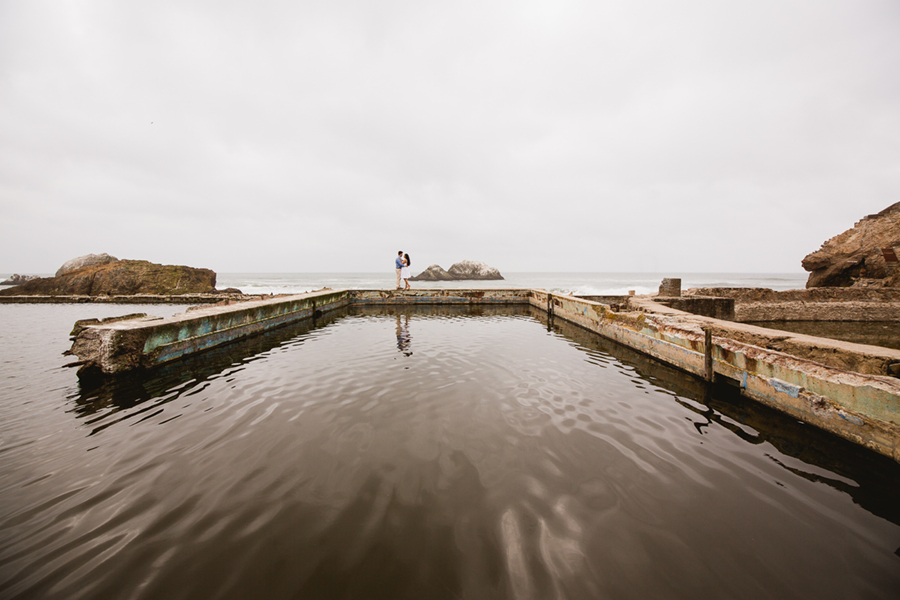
(670, 287)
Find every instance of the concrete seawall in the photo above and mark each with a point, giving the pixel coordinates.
(861, 407)
(146, 342)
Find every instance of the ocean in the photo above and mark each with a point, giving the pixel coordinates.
(560, 283)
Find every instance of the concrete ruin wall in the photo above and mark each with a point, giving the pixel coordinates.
(439, 296)
(817, 311)
(815, 304)
(831, 294)
(147, 342)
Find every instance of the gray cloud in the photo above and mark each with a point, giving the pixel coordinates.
(323, 136)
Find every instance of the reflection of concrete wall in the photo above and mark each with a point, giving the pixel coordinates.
(862, 408)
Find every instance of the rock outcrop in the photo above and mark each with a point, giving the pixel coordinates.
(121, 277)
(85, 261)
(469, 269)
(857, 256)
(433, 273)
(461, 271)
(16, 279)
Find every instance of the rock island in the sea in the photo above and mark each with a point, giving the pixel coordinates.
(101, 274)
(461, 271)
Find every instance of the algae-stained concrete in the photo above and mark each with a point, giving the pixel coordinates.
(440, 296)
(126, 345)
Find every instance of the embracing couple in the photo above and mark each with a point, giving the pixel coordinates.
(401, 265)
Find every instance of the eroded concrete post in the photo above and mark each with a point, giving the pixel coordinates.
(670, 287)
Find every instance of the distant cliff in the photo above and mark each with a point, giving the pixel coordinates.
(857, 257)
(120, 277)
(461, 271)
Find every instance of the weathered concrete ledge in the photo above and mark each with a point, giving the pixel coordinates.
(146, 342)
(708, 306)
(829, 294)
(762, 304)
(860, 402)
(817, 311)
(814, 304)
(440, 296)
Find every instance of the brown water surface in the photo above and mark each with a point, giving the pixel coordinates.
(421, 453)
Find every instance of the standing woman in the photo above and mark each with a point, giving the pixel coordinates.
(404, 271)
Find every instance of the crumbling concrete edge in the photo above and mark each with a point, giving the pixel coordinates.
(172, 342)
(117, 347)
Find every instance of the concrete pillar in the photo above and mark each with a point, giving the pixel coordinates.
(670, 287)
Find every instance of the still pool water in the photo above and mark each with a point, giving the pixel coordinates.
(420, 453)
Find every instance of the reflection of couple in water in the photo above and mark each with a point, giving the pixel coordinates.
(401, 265)
(403, 337)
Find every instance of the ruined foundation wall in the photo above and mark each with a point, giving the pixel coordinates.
(814, 304)
(817, 311)
(829, 294)
(439, 296)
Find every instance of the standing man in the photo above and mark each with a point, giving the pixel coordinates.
(398, 265)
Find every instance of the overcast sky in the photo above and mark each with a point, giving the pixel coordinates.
(688, 136)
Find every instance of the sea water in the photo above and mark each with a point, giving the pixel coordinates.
(420, 453)
(560, 283)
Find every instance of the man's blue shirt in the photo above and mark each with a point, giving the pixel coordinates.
(398, 263)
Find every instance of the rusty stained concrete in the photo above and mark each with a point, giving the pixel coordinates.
(145, 342)
(861, 406)
(440, 296)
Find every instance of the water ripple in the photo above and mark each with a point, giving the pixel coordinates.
(438, 453)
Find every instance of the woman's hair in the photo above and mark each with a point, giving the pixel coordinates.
(408, 262)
